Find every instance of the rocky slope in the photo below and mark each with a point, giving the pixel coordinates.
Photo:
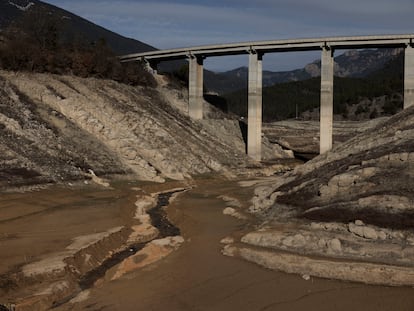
(302, 137)
(355, 204)
(55, 128)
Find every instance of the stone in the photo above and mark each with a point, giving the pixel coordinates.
(334, 245)
(227, 240)
(322, 243)
(232, 212)
(410, 240)
(306, 277)
(298, 240)
(229, 211)
(359, 222)
(370, 233)
(382, 235)
(231, 202)
(171, 241)
(357, 230)
(363, 231)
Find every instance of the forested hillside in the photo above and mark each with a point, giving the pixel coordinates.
(377, 94)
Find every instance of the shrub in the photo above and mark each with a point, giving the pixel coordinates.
(36, 45)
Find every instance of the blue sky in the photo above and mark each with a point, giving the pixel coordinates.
(179, 23)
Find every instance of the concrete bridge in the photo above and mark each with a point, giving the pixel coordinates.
(256, 50)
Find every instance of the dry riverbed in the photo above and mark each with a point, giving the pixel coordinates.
(184, 272)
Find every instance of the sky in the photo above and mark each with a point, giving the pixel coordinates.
(181, 23)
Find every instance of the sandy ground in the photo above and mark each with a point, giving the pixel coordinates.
(198, 277)
(41, 222)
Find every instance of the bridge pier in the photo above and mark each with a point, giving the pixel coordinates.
(254, 118)
(195, 87)
(408, 76)
(326, 109)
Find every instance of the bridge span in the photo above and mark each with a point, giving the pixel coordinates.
(256, 50)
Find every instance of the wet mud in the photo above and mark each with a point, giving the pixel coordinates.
(159, 220)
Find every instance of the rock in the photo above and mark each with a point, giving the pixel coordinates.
(363, 231)
(391, 202)
(174, 241)
(382, 235)
(322, 244)
(316, 226)
(143, 204)
(410, 240)
(229, 211)
(227, 240)
(334, 245)
(232, 212)
(306, 277)
(229, 250)
(359, 222)
(142, 233)
(370, 233)
(327, 226)
(356, 271)
(296, 241)
(231, 202)
(357, 230)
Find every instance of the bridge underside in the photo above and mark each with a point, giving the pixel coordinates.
(256, 50)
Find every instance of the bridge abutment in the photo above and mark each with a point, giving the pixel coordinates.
(254, 118)
(408, 76)
(326, 109)
(195, 87)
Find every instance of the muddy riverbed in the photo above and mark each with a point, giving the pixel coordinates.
(194, 277)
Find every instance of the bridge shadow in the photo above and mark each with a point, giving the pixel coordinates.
(221, 103)
(217, 101)
(243, 130)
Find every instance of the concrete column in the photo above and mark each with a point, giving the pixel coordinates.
(326, 110)
(254, 118)
(195, 88)
(409, 77)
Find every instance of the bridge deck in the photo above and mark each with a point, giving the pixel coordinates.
(305, 44)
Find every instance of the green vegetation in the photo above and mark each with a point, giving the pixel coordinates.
(37, 43)
(280, 101)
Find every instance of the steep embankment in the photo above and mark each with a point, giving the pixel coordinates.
(55, 128)
(355, 203)
(302, 137)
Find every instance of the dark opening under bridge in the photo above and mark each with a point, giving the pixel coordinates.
(256, 50)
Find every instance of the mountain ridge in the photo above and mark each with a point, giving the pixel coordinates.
(11, 12)
(350, 64)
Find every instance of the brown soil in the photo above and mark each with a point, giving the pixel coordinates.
(199, 277)
(36, 223)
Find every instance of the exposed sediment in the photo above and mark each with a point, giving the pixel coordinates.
(58, 277)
